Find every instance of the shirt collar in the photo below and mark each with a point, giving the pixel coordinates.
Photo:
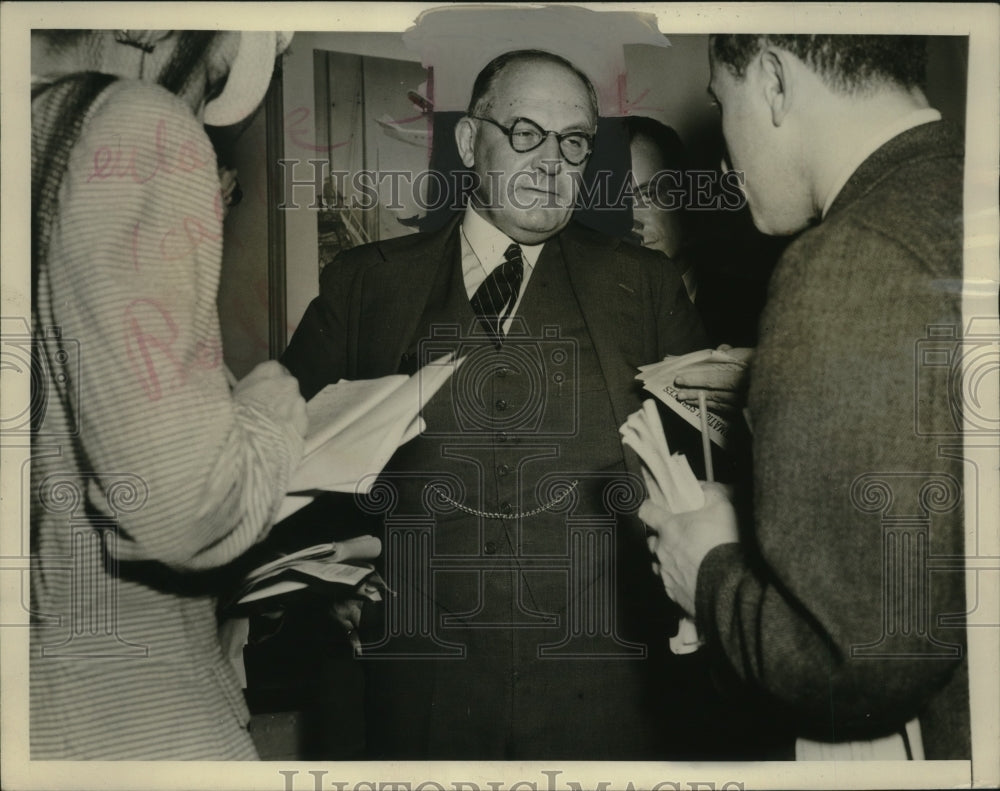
(875, 142)
(489, 243)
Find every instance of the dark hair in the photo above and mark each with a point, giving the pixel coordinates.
(845, 63)
(664, 137)
(489, 73)
(191, 48)
(672, 151)
(192, 45)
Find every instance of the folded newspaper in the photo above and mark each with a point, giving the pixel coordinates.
(336, 568)
(356, 426)
(658, 379)
(670, 484)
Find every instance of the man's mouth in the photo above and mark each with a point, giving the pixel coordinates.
(540, 190)
(539, 197)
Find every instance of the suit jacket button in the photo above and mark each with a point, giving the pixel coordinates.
(490, 548)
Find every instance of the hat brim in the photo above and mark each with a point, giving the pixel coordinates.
(249, 78)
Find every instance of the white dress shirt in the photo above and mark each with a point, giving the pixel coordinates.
(483, 248)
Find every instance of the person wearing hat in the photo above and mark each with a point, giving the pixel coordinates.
(148, 472)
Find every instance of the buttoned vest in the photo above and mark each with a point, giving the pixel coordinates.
(504, 549)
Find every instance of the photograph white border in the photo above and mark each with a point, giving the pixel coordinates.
(980, 22)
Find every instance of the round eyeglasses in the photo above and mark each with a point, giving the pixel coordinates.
(525, 135)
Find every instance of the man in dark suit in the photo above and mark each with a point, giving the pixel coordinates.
(659, 218)
(525, 622)
(830, 605)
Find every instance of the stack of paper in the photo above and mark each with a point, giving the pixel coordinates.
(671, 486)
(319, 566)
(658, 379)
(669, 479)
(356, 426)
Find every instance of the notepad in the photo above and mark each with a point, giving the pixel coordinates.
(355, 426)
(658, 380)
(341, 563)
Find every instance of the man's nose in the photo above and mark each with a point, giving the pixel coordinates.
(548, 157)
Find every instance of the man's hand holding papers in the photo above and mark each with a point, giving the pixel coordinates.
(682, 540)
(689, 518)
(339, 573)
(722, 377)
(719, 375)
(339, 566)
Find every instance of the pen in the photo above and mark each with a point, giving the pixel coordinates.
(706, 443)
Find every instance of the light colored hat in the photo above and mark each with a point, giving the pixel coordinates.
(249, 77)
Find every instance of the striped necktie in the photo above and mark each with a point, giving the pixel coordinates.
(494, 300)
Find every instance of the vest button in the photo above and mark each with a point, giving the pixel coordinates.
(490, 548)
(507, 508)
(501, 404)
(502, 436)
(503, 469)
(502, 371)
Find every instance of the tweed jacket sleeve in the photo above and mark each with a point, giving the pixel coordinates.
(823, 606)
(132, 276)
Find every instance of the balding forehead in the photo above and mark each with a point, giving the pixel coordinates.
(531, 70)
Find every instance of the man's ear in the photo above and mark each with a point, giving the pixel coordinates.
(465, 138)
(776, 82)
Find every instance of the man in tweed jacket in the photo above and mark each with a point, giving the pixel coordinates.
(826, 602)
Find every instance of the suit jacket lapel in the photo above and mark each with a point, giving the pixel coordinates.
(393, 295)
(608, 292)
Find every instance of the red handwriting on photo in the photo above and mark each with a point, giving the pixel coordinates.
(628, 106)
(181, 239)
(153, 345)
(302, 133)
(124, 163)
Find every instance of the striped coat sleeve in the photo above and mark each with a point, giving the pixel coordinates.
(134, 268)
